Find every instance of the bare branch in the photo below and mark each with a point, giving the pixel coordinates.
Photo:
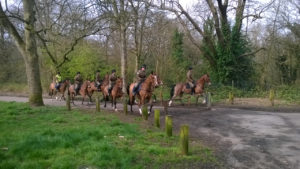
(252, 53)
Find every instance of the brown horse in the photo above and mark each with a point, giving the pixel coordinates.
(145, 94)
(104, 89)
(116, 92)
(181, 88)
(62, 89)
(87, 89)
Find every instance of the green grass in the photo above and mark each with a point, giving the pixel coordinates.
(51, 137)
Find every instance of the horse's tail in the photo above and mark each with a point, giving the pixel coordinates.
(172, 91)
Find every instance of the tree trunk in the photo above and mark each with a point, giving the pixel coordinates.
(123, 45)
(32, 58)
(28, 49)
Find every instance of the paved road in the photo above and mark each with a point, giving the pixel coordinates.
(242, 138)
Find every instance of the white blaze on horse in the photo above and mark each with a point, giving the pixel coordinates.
(145, 93)
(180, 88)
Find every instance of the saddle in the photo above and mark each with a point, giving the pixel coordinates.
(137, 88)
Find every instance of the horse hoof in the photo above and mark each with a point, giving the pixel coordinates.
(149, 112)
(140, 111)
(170, 103)
(204, 101)
(56, 98)
(116, 110)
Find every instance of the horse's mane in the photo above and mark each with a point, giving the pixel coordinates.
(202, 78)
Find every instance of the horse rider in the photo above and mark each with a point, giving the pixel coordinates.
(140, 78)
(97, 79)
(78, 82)
(112, 80)
(57, 80)
(190, 81)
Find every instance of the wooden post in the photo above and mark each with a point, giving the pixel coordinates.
(184, 139)
(208, 100)
(125, 108)
(145, 112)
(231, 97)
(68, 102)
(97, 103)
(272, 96)
(168, 125)
(157, 118)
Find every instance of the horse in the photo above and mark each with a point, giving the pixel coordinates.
(87, 89)
(104, 88)
(181, 88)
(63, 86)
(116, 92)
(145, 92)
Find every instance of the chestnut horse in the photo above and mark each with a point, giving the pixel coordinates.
(145, 93)
(87, 89)
(116, 92)
(104, 89)
(62, 89)
(181, 88)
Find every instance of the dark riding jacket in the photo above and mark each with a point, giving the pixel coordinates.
(78, 79)
(112, 79)
(141, 76)
(97, 77)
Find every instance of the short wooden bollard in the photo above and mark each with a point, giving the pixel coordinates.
(157, 118)
(208, 100)
(145, 112)
(125, 108)
(97, 104)
(68, 102)
(231, 97)
(184, 139)
(272, 96)
(168, 124)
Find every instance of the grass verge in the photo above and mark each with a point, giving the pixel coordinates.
(51, 137)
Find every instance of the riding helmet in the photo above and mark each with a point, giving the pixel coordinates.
(114, 70)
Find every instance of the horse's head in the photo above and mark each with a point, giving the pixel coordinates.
(159, 81)
(88, 83)
(154, 79)
(207, 79)
(119, 82)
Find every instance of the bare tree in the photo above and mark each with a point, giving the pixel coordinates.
(27, 47)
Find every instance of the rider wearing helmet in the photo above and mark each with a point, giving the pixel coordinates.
(97, 79)
(112, 80)
(57, 80)
(190, 81)
(140, 78)
(78, 82)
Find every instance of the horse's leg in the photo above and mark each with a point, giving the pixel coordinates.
(190, 100)
(82, 99)
(115, 102)
(141, 103)
(197, 98)
(181, 94)
(105, 100)
(204, 98)
(130, 102)
(151, 105)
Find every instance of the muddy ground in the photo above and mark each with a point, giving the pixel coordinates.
(241, 138)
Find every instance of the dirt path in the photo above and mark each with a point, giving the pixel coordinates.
(241, 138)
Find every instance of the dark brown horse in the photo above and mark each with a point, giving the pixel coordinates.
(145, 94)
(116, 92)
(181, 88)
(63, 86)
